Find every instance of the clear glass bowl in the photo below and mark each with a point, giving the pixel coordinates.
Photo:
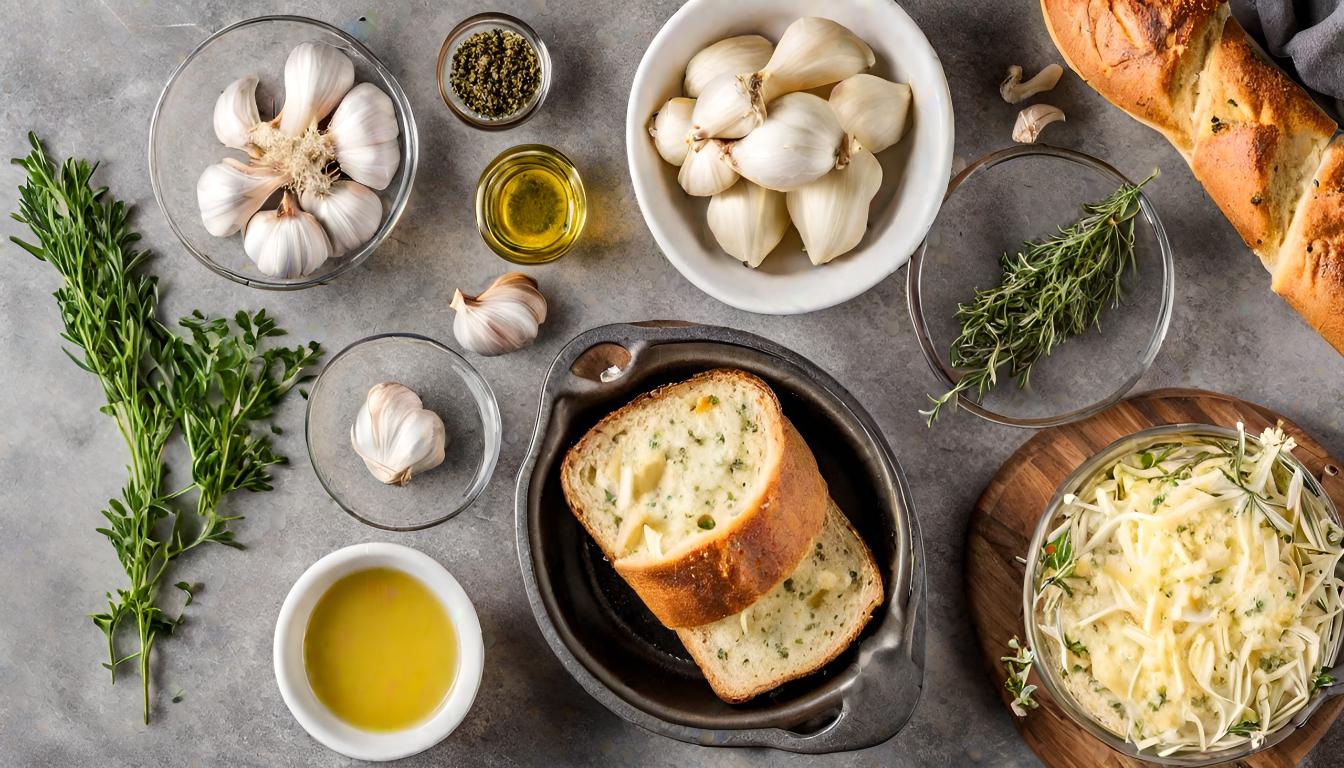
(506, 168)
(1009, 197)
(182, 141)
(1047, 665)
(448, 385)
(482, 22)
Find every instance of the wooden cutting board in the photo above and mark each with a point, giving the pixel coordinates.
(1005, 516)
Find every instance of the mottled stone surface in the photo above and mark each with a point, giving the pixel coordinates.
(86, 75)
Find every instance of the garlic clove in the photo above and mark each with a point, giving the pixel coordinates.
(349, 211)
(286, 242)
(1013, 90)
(317, 76)
(831, 213)
(734, 55)
(799, 142)
(372, 165)
(364, 132)
(396, 436)
(505, 317)
(669, 127)
(811, 53)
(229, 192)
(748, 221)
(236, 113)
(1032, 120)
(706, 170)
(872, 110)
(726, 109)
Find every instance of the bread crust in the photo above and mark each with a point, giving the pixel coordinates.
(1309, 273)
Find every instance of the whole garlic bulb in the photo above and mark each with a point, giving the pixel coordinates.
(669, 127)
(287, 242)
(872, 110)
(799, 142)
(349, 211)
(505, 317)
(733, 56)
(831, 213)
(317, 76)
(748, 221)
(230, 191)
(706, 170)
(236, 113)
(364, 131)
(396, 436)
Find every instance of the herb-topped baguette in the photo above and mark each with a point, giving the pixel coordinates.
(701, 493)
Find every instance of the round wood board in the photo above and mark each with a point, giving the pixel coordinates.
(1005, 516)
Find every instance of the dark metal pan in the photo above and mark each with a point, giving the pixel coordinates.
(609, 641)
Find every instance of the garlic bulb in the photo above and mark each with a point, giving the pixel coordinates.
(505, 317)
(286, 242)
(799, 142)
(236, 113)
(317, 75)
(831, 213)
(725, 109)
(229, 192)
(396, 436)
(872, 110)
(364, 132)
(706, 170)
(734, 56)
(1032, 120)
(669, 127)
(349, 211)
(748, 221)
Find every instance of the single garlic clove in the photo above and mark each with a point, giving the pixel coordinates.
(236, 113)
(287, 242)
(229, 192)
(811, 53)
(1013, 90)
(799, 142)
(669, 127)
(1032, 120)
(831, 213)
(872, 110)
(364, 133)
(706, 170)
(317, 76)
(396, 436)
(349, 211)
(748, 221)
(735, 56)
(504, 318)
(726, 109)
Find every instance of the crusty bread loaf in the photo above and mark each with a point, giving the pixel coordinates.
(701, 493)
(800, 625)
(1309, 272)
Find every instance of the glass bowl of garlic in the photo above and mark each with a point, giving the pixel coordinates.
(278, 198)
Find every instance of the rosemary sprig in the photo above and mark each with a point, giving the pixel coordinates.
(1052, 290)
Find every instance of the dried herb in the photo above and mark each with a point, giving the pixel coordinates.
(495, 73)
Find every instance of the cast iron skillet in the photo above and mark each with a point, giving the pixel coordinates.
(609, 641)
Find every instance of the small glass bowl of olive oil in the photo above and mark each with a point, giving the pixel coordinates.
(530, 204)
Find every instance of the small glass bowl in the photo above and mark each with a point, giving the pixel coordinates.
(1009, 197)
(182, 141)
(483, 22)
(496, 177)
(448, 385)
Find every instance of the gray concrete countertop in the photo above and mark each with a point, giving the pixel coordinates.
(85, 75)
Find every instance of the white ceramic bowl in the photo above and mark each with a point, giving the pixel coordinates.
(915, 171)
(290, 675)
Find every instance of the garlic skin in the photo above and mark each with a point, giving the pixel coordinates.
(287, 242)
(799, 142)
(748, 221)
(726, 109)
(872, 110)
(230, 191)
(504, 318)
(363, 132)
(733, 55)
(396, 436)
(1032, 120)
(317, 76)
(669, 127)
(831, 213)
(236, 113)
(349, 212)
(706, 170)
(1013, 90)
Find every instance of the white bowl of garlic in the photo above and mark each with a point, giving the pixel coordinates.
(778, 177)
(282, 152)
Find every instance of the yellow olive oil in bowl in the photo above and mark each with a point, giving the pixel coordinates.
(530, 204)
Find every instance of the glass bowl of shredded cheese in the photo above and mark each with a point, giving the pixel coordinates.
(1184, 594)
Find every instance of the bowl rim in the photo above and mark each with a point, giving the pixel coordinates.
(948, 376)
(513, 24)
(297, 607)
(760, 303)
(410, 146)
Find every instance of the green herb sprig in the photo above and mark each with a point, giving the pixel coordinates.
(1019, 667)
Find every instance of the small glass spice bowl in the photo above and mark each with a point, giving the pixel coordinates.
(484, 22)
(501, 209)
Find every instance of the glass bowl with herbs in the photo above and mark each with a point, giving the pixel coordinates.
(494, 71)
(1044, 290)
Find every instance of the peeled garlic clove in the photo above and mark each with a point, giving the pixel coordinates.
(1032, 120)
(706, 170)
(831, 213)
(799, 142)
(505, 317)
(287, 242)
(317, 75)
(236, 113)
(811, 53)
(349, 211)
(1013, 90)
(229, 192)
(669, 127)
(726, 109)
(748, 221)
(735, 56)
(872, 110)
(396, 436)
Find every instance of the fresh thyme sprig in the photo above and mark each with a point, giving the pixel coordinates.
(1052, 290)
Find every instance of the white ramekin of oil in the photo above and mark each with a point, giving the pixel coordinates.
(530, 204)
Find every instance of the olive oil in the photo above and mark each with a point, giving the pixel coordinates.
(530, 204)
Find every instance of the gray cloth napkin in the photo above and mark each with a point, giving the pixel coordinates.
(1307, 36)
